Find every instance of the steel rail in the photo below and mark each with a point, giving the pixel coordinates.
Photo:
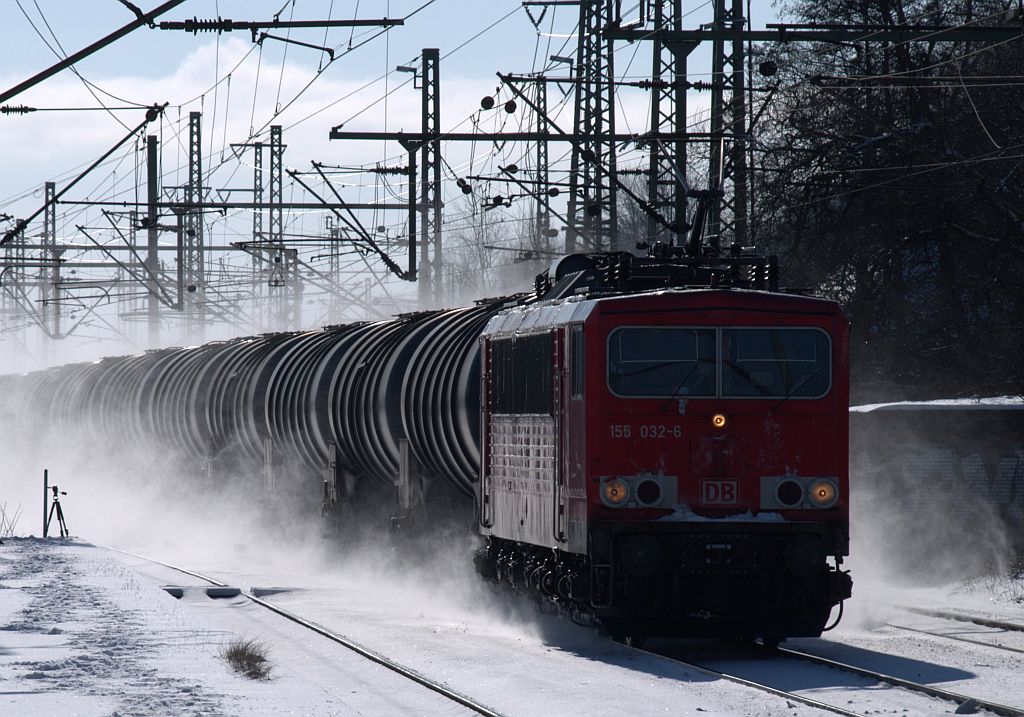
(961, 700)
(711, 672)
(955, 637)
(376, 657)
(961, 617)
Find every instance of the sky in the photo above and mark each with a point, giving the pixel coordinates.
(153, 66)
(243, 88)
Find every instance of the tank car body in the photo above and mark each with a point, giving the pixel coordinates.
(671, 462)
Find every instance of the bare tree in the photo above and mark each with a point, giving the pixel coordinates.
(890, 176)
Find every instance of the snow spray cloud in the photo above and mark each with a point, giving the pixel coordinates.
(428, 576)
(127, 491)
(152, 497)
(928, 500)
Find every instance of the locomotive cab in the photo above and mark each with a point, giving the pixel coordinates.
(681, 466)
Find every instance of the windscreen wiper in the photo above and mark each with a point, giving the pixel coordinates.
(743, 373)
(793, 390)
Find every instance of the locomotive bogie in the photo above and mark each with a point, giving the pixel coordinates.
(716, 578)
(768, 581)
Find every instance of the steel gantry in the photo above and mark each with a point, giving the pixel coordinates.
(591, 219)
(727, 202)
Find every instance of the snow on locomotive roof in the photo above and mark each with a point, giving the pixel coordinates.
(544, 314)
(521, 319)
(970, 404)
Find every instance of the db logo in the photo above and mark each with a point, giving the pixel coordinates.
(718, 492)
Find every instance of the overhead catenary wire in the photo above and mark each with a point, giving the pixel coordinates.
(61, 55)
(458, 217)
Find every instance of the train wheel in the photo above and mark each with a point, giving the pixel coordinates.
(623, 639)
(771, 641)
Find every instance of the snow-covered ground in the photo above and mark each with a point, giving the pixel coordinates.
(87, 631)
(90, 632)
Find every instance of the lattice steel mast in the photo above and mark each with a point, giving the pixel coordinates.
(193, 280)
(727, 215)
(593, 206)
(542, 221)
(431, 288)
(667, 167)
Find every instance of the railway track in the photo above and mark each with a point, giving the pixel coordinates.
(956, 638)
(953, 616)
(963, 617)
(969, 640)
(721, 674)
(963, 701)
(371, 655)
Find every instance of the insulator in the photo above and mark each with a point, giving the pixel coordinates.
(195, 25)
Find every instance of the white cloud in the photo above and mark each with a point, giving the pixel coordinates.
(44, 145)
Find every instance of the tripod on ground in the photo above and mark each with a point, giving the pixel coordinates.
(55, 506)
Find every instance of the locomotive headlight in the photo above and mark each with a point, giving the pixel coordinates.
(823, 493)
(614, 492)
(648, 493)
(789, 493)
(719, 420)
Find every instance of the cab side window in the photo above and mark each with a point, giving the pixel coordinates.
(576, 356)
(521, 369)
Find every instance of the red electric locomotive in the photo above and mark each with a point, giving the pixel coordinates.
(670, 462)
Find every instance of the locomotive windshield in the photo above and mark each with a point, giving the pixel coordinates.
(775, 363)
(660, 361)
(710, 362)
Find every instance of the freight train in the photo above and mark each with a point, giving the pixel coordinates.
(659, 443)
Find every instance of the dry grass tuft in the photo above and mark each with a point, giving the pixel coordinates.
(247, 657)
